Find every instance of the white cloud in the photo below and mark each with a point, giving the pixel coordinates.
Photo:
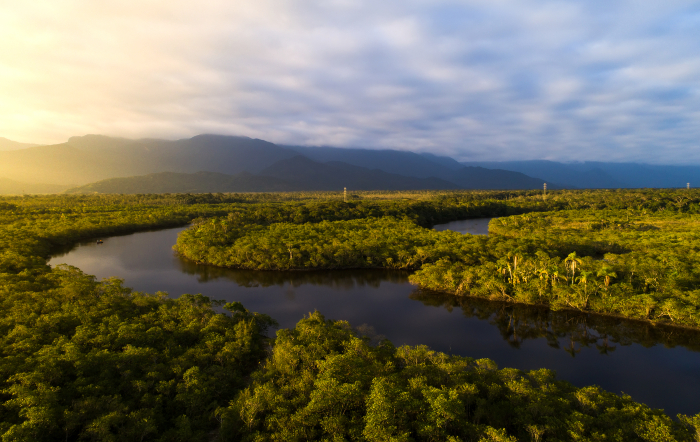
(506, 79)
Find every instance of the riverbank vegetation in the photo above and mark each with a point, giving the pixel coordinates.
(322, 382)
(626, 253)
(632, 263)
(88, 360)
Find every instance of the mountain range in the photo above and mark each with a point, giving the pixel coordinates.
(301, 173)
(217, 163)
(595, 174)
(6, 144)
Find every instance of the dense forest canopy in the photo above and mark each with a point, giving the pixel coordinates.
(92, 360)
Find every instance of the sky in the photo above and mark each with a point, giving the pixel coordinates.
(476, 80)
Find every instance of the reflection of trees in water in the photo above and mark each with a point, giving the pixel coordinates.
(568, 330)
(338, 279)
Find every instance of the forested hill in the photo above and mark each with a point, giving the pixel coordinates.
(335, 175)
(301, 173)
(595, 174)
(200, 182)
(482, 178)
(392, 161)
(427, 166)
(91, 158)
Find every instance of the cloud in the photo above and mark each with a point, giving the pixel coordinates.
(499, 80)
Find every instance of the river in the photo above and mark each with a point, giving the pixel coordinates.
(656, 366)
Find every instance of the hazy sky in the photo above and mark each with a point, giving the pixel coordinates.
(478, 80)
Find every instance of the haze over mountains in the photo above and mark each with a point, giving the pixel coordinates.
(6, 144)
(216, 163)
(595, 174)
(234, 164)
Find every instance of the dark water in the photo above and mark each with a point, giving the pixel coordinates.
(478, 226)
(657, 366)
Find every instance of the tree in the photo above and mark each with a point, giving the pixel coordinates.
(571, 262)
(607, 273)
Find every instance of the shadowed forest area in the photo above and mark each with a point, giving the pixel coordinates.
(92, 360)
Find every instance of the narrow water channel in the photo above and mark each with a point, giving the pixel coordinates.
(657, 366)
(478, 226)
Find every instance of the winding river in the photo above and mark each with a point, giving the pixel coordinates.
(655, 365)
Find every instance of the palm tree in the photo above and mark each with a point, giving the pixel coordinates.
(555, 276)
(572, 261)
(607, 273)
(584, 278)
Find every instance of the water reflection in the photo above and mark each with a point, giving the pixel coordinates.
(567, 330)
(336, 279)
(476, 226)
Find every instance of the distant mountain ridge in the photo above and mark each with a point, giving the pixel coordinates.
(498, 179)
(200, 182)
(600, 175)
(6, 144)
(556, 172)
(256, 165)
(335, 175)
(392, 161)
(301, 173)
(122, 165)
(214, 153)
(91, 158)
